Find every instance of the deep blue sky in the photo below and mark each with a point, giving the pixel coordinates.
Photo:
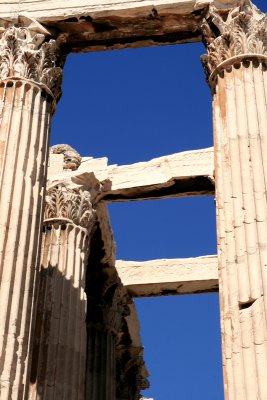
(130, 106)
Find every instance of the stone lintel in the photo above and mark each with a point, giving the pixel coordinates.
(189, 173)
(95, 25)
(169, 276)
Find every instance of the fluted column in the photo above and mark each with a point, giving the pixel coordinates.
(29, 85)
(236, 67)
(59, 350)
(115, 365)
(101, 364)
(107, 305)
(104, 320)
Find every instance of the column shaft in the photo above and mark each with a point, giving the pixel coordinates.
(24, 128)
(29, 84)
(236, 65)
(240, 139)
(59, 341)
(100, 376)
(58, 366)
(106, 308)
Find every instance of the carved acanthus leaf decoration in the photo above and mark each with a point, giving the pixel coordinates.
(243, 32)
(73, 204)
(27, 54)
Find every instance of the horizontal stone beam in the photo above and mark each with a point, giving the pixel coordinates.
(189, 173)
(95, 25)
(169, 276)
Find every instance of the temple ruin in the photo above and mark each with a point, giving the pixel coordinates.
(68, 324)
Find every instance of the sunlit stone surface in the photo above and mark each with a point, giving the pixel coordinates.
(68, 325)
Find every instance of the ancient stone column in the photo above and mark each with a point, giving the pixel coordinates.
(236, 65)
(107, 305)
(30, 78)
(59, 350)
(104, 321)
(115, 365)
(101, 366)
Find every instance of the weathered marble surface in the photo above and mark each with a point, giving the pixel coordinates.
(169, 276)
(100, 25)
(30, 83)
(236, 67)
(189, 173)
(49, 10)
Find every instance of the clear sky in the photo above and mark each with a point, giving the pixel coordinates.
(130, 106)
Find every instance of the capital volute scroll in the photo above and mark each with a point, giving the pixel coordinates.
(232, 39)
(28, 51)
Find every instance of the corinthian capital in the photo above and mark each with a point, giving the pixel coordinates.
(69, 205)
(240, 35)
(25, 52)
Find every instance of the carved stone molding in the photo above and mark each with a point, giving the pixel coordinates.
(25, 53)
(241, 36)
(72, 159)
(69, 205)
